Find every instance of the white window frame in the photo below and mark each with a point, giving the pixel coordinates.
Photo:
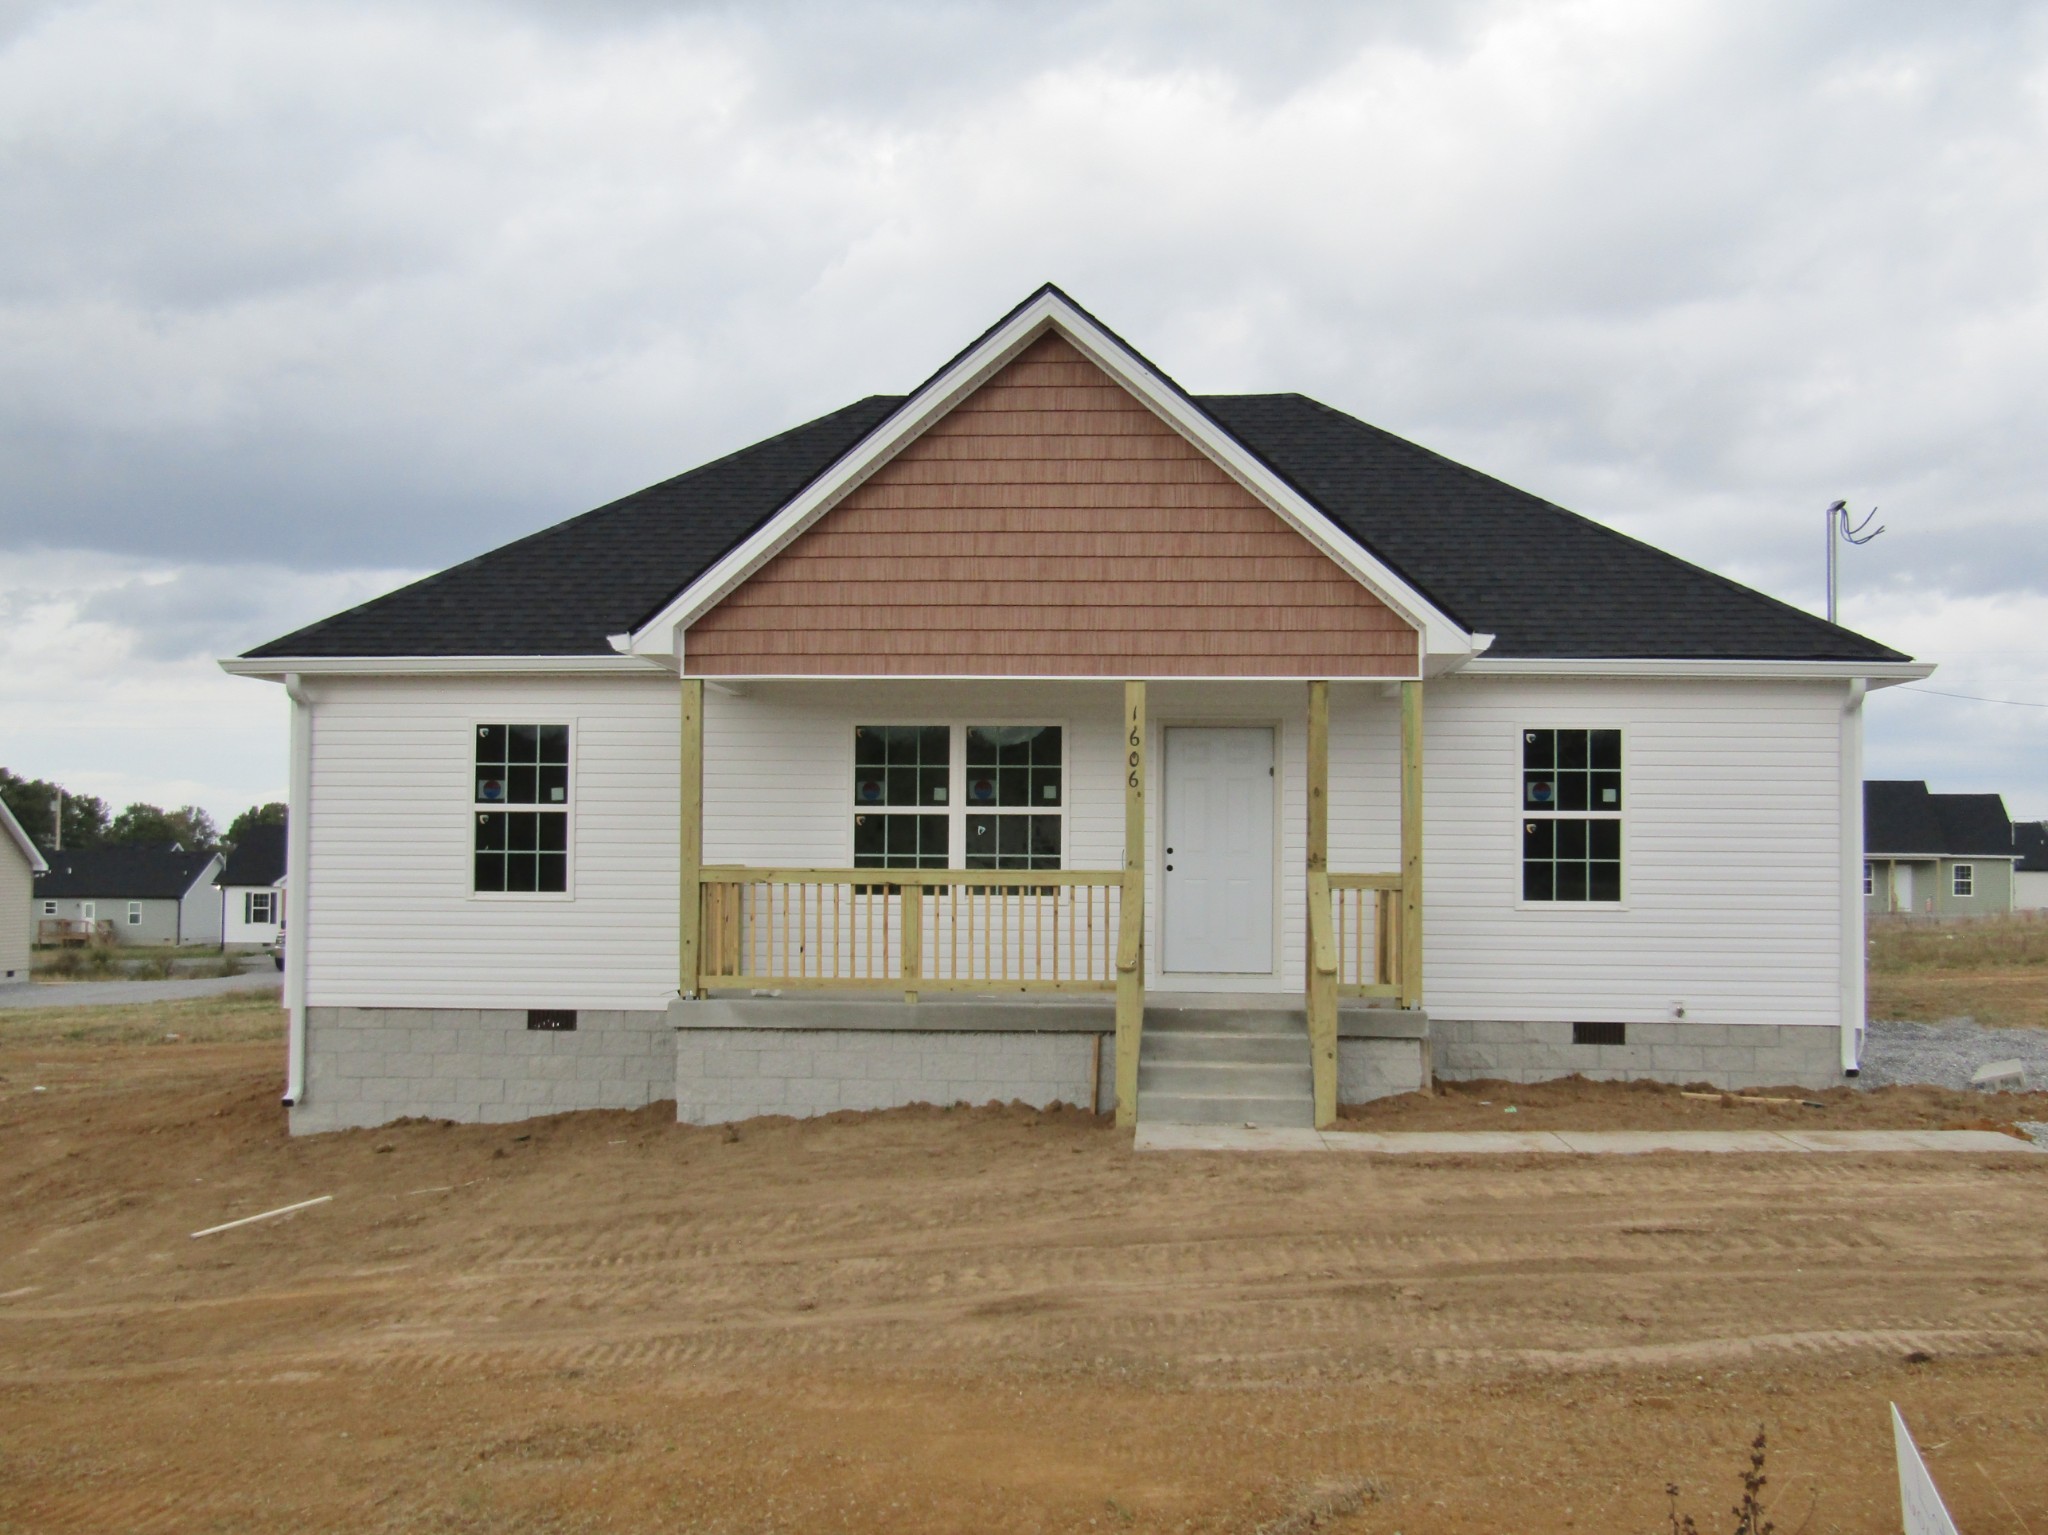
(249, 900)
(49, 908)
(1869, 881)
(135, 914)
(956, 725)
(519, 714)
(1962, 881)
(1625, 815)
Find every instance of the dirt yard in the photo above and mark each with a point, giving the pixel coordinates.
(966, 1320)
(1992, 969)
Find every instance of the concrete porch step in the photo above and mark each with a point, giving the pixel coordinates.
(1294, 1111)
(1226, 1079)
(1215, 1020)
(1217, 1045)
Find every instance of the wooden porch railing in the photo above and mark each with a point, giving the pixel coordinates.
(912, 930)
(68, 932)
(1365, 921)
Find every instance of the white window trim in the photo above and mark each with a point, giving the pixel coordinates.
(957, 726)
(1959, 875)
(1869, 871)
(519, 714)
(135, 914)
(49, 908)
(1626, 815)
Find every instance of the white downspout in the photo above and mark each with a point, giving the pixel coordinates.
(298, 886)
(1853, 998)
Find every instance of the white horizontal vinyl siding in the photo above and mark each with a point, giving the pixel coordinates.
(1732, 885)
(392, 920)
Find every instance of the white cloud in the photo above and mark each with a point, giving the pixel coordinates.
(108, 681)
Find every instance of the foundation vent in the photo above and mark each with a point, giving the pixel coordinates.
(1599, 1033)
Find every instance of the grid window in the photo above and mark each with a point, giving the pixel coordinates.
(49, 908)
(902, 796)
(522, 851)
(135, 914)
(1015, 792)
(1964, 879)
(258, 906)
(1571, 815)
(1869, 880)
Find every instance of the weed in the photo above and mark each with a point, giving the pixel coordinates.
(1749, 1513)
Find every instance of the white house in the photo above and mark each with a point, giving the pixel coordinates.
(20, 863)
(1226, 756)
(252, 888)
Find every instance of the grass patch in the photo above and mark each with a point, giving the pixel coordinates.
(1992, 969)
(235, 1018)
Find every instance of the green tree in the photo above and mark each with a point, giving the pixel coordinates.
(272, 814)
(188, 826)
(34, 803)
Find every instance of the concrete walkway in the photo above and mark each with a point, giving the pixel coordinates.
(118, 993)
(1571, 1142)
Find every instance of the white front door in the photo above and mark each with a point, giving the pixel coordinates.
(1217, 872)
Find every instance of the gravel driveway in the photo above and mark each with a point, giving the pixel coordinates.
(114, 993)
(1944, 1054)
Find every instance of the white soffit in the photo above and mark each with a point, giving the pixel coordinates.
(661, 636)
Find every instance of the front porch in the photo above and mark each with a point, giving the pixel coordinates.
(961, 979)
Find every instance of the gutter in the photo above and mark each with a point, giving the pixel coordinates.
(298, 887)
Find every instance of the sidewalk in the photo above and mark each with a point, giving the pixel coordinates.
(118, 993)
(1572, 1142)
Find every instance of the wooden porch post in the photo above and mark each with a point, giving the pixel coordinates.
(1130, 950)
(1322, 957)
(1411, 844)
(690, 804)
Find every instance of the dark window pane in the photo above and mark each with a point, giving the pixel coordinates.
(1571, 882)
(1606, 750)
(1536, 880)
(902, 785)
(1603, 839)
(490, 744)
(554, 744)
(934, 745)
(981, 839)
(1539, 839)
(981, 747)
(1539, 750)
(1045, 747)
(1014, 785)
(932, 840)
(520, 785)
(1571, 839)
(490, 871)
(931, 786)
(519, 873)
(553, 779)
(490, 832)
(524, 745)
(554, 871)
(1539, 791)
(1045, 840)
(869, 749)
(1014, 837)
(553, 833)
(1605, 882)
(1571, 749)
(869, 832)
(1571, 791)
(1606, 791)
(520, 832)
(1045, 786)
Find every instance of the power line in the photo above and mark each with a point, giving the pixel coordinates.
(2017, 703)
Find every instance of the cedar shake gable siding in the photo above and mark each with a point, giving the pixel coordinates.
(1051, 525)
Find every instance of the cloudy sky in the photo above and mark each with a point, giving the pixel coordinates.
(300, 301)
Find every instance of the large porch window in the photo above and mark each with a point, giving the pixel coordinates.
(1011, 815)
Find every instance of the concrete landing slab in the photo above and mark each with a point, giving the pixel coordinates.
(1575, 1142)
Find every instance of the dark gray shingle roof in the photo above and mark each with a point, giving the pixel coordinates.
(1546, 582)
(121, 873)
(1900, 817)
(258, 859)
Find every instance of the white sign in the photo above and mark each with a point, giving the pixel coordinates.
(1920, 1506)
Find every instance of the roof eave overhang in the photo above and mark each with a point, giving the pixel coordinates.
(21, 839)
(1876, 674)
(277, 668)
(1445, 642)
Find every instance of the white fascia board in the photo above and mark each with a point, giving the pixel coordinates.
(22, 840)
(660, 635)
(278, 668)
(1878, 674)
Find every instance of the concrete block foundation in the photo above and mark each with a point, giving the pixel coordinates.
(1725, 1055)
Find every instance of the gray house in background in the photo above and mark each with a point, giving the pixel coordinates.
(1935, 855)
(140, 895)
(2030, 874)
(20, 863)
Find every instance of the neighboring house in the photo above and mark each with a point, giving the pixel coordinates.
(134, 895)
(2030, 872)
(1935, 855)
(20, 863)
(252, 888)
(1053, 733)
